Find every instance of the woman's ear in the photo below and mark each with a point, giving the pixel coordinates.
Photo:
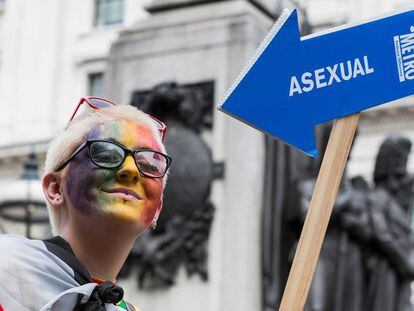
(52, 189)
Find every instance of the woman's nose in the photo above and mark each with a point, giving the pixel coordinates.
(128, 171)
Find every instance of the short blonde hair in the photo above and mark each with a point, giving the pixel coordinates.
(66, 142)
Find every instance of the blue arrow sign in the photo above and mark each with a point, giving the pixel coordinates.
(292, 84)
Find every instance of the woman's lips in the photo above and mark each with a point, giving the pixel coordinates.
(123, 193)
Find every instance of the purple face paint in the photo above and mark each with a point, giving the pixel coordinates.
(82, 178)
(94, 190)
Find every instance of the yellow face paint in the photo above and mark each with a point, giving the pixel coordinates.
(122, 193)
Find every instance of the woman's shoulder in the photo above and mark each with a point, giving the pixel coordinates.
(12, 246)
(30, 274)
(12, 239)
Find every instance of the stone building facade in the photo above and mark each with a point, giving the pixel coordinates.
(52, 52)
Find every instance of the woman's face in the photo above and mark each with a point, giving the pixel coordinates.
(122, 193)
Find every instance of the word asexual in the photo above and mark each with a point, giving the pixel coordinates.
(332, 74)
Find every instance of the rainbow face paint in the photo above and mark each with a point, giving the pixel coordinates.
(123, 193)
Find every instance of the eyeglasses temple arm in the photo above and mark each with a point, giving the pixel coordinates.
(77, 108)
(72, 156)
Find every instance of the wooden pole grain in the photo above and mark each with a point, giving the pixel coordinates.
(319, 213)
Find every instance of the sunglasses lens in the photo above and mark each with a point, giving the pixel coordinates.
(106, 154)
(151, 163)
(100, 103)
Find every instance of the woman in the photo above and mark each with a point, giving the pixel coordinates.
(104, 178)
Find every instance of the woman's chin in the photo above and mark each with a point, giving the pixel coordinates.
(128, 213)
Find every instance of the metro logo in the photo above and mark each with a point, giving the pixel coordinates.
(404, 50)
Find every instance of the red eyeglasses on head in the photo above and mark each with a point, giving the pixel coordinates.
(99, 103)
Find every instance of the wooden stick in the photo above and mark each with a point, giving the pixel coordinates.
(317, 218)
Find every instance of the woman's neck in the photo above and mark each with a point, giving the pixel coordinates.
(100, 248)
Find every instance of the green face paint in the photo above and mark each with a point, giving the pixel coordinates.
(122, 193)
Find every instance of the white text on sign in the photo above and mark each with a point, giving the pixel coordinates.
(404, 51)
(327, 76)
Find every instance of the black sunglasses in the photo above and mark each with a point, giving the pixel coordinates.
(110, 154)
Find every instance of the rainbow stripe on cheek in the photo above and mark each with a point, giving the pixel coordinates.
(81, 182)
(148, 215)
(84, 179)
(86, 183)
